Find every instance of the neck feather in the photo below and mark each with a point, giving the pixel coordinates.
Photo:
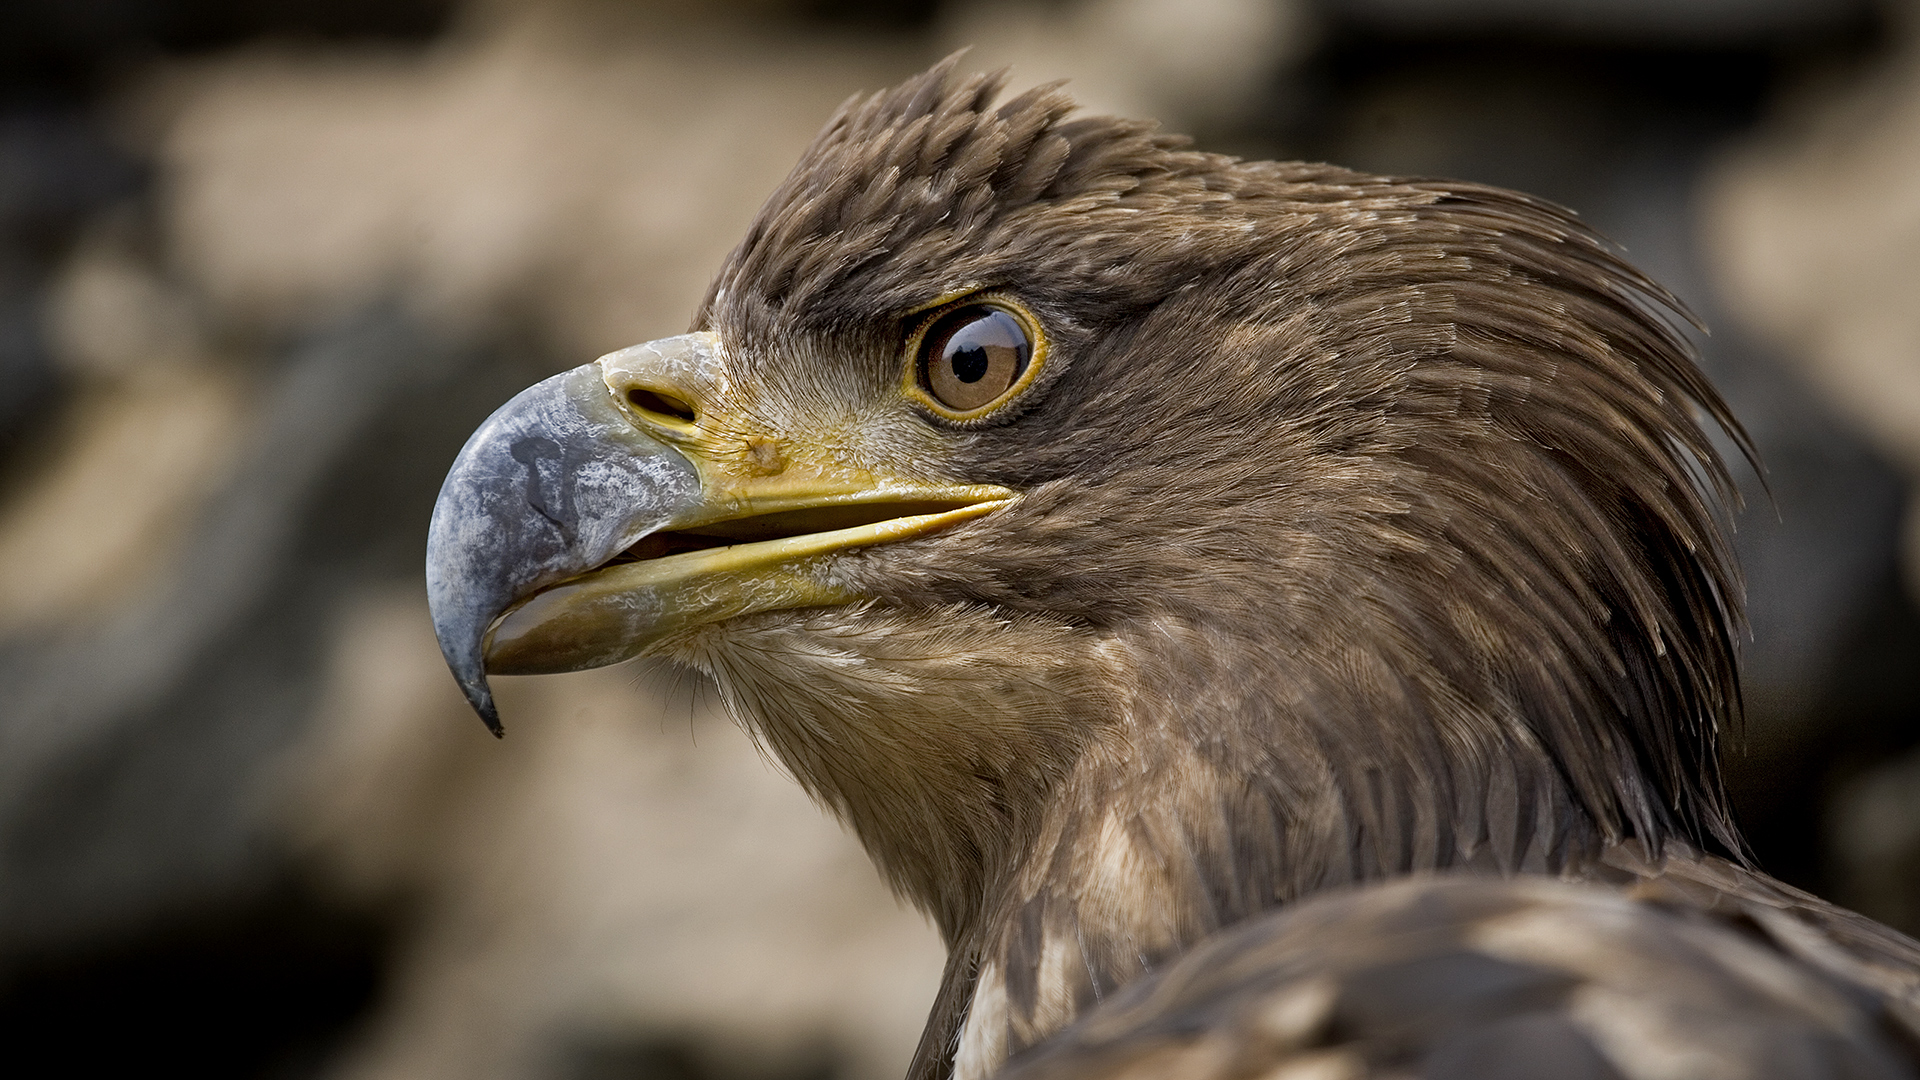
(1194, 811)
(1103, 801)
(938, 736)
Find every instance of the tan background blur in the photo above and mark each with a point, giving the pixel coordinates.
(264, 265)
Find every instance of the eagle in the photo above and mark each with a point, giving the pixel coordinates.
(1276, 621)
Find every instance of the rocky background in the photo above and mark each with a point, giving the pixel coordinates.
(263, 266)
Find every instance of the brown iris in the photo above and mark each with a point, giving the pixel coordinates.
(971, 356)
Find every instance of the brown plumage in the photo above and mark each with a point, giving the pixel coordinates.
(1362, 529)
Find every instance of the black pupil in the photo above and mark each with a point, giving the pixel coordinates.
(970, 350)
(970, 363)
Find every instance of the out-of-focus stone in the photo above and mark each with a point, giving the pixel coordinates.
(1813, 229)
(148, 436)
(1874, 829)
(531, 173)
(125, 739)
(56, 170)
(112, 316)
(1719, 22)
(1186, 63)
(137, 461)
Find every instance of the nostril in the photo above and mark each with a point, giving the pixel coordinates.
(653, 401)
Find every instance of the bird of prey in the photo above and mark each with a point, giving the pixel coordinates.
(1274, 620)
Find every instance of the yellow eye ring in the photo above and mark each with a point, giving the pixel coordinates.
(969, 357)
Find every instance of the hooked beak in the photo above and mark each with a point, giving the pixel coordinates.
(606, 508)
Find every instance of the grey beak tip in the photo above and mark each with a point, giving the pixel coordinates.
(473, 684)
(483, 704)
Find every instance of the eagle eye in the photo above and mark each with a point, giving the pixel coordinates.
(973, 355)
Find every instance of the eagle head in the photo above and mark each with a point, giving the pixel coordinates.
(1124, 539)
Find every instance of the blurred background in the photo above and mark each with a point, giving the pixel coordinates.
(265, 263)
